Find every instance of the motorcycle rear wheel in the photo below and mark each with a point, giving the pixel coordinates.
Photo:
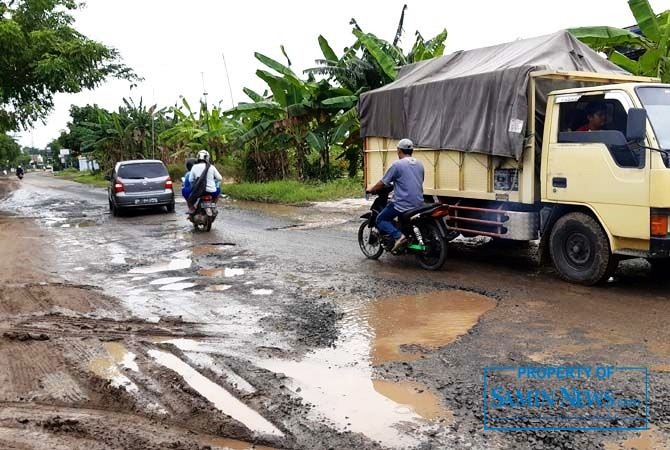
(371, 248)
(435, 255)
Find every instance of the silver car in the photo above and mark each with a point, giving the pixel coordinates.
(140, 184)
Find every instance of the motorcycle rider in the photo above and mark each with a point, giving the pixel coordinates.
(203, 179)
(19, 172)
(406, 175)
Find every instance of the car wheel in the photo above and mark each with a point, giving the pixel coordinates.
(170, 208)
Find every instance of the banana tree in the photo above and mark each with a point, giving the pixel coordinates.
(301, 109)
(646, 53)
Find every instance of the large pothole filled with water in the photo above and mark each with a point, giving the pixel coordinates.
(343, 383)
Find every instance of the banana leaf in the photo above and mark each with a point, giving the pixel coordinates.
(604, 37)
(343, 102)
(279, 68)
(257, 106)
(646, 19)
(624, 62)
(315, 141)
(372, 44)
(327, 51)
(253, 95)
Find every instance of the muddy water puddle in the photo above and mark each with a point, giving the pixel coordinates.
(426, 321)
(109, 366)
(221, 398)
(230, 444)
(342, 382)
(651, 439)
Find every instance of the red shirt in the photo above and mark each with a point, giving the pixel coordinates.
(584, 128)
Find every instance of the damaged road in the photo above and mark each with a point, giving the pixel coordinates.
(273, 331)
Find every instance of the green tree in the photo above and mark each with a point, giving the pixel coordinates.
(648, 53)
(10, 151)
(41, 54)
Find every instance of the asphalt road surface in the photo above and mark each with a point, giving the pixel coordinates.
(273, 331)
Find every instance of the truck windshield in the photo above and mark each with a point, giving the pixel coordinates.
(656, 100)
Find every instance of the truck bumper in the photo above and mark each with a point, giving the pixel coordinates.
(659, 247)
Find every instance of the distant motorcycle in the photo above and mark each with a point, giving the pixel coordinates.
(424, 228)
(205, 213)
(19, 174)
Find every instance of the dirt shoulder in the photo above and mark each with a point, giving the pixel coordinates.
(62, 380)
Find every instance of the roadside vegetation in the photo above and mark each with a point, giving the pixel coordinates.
(91, 178)
(293, 191)
(301, 132)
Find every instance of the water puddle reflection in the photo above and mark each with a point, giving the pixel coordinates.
(222, 399)
(175, 264)
(261, 291)
(218, 287)
(425, 321)
(168, 280)
(107, 367)
(341, 381)
(176, 286)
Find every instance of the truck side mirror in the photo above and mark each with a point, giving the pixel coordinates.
(108, 177)
(636, 127)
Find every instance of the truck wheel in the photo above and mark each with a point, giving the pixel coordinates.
(580, 250)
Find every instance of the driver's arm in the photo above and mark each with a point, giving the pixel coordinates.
(387, 180)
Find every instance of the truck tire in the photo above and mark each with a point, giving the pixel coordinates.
(580, 250)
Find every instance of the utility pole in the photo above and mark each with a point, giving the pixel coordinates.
(153, 139)
(230, 89)
(204, 94)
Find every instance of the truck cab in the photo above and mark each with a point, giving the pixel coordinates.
(612, 184)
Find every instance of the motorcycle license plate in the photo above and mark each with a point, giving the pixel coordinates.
(208, 205)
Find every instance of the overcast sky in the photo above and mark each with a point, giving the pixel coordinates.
(171, 42)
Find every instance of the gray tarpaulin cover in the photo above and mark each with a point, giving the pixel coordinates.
(473, 100)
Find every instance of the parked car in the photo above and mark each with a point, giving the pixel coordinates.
(140, 184)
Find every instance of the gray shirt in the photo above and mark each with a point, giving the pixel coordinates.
(407, 177)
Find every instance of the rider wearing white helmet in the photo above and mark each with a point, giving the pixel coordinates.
(213, 174)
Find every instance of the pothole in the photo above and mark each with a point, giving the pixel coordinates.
(424, 321)
(107, 367)
(341, 381)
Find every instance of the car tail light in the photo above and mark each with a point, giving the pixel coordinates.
(440, 212)
(168, 183)
(118, 187)
(659, 225)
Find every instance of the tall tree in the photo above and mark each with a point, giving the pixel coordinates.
(41, 54)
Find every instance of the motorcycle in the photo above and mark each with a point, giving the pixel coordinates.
(205, 213)
(424, 228)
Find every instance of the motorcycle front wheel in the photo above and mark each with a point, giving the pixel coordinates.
(435, 255)
(370, 241)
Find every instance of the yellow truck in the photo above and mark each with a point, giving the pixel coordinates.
(593, 194)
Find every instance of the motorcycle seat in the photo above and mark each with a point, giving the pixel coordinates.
(406, 216)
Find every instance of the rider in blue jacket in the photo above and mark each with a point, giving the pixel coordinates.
(186, 184)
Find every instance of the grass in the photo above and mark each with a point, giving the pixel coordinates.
(292, 192)
(93, 179)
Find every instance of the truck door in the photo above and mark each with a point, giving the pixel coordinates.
(611, 180)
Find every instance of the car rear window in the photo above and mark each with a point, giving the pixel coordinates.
(142, 170)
